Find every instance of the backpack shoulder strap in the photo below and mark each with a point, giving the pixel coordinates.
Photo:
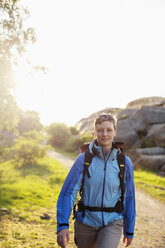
(121, 163)
(87, 161)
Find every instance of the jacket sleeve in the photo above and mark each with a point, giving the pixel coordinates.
(130, 208)
(68, 193)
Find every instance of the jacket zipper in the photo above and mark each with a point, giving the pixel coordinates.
(105, 165)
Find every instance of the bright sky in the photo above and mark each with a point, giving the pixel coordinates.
(99, 53)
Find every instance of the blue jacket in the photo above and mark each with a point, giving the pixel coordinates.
(102, 189)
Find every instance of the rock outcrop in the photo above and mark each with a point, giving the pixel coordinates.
(141, 126)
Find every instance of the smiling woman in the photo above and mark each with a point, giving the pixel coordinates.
(103, 176)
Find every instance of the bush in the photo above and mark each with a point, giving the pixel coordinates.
(27, 152)
(29, 121)
(59, 133)
(73, 130)
(34, 135)
(73, 145)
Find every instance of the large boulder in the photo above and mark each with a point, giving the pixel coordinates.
(150, 151)
(159, 101)
(136, 154)
(85, 125)
(126, 133)
(154, 162)
(130, 139)
(157, 133)
(147, 115)
(125, 113)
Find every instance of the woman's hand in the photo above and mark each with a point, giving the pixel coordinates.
(62, 237)
(127, 240)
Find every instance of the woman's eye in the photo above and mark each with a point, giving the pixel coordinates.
(102, 131)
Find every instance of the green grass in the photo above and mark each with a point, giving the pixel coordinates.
(150, 183)
(36, 185)
(29, 192)
(72, 155)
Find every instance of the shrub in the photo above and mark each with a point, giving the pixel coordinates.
(27, 152)
(28, 121)
(59, 133)
(34, 135)
(73, 145)
(73, 130)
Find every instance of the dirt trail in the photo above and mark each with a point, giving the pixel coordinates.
(150, 216)
(67, 162)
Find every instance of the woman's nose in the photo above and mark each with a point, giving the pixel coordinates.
(104, 132)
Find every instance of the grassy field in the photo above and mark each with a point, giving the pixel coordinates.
(150, 183)
(30, 192)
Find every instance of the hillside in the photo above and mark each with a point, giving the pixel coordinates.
(141, 126)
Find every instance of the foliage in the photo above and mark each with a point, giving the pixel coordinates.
(14, 37)
(6, 140)
(26, 152)
(34, 135)
(8, 106)
(73, 130)
(58, 133)
(74, 144)
(28, 121)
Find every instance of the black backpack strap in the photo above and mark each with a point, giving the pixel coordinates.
(88, 160)
(119, 205)
(121, 163)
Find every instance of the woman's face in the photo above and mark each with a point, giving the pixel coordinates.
(105, 133)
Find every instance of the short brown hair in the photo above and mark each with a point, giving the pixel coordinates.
(105, 117)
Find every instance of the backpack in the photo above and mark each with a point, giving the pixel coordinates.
(88, 159)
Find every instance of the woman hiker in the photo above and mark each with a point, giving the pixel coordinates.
(107, 190)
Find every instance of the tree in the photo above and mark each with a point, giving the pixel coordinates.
(14, 37)
(29, 121)
(14, 34)
(59, 133)
(8, 106)
(73, 145)
(34, 135)
(74, 130)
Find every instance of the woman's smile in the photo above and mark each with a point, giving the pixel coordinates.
(105, 132)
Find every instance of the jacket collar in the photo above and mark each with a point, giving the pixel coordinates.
(97, 150)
